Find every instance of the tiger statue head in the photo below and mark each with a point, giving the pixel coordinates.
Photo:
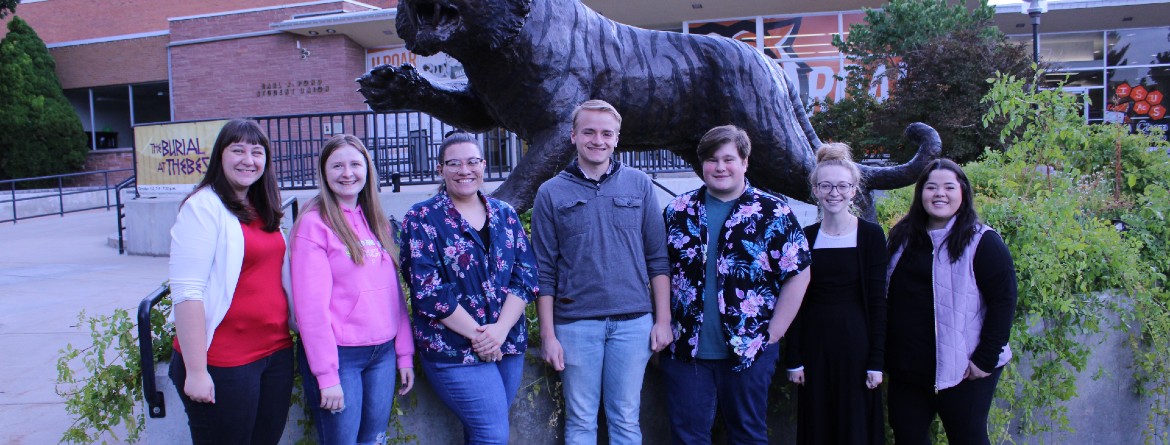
(459, 26)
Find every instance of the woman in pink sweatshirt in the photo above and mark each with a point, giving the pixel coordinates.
(348, 302)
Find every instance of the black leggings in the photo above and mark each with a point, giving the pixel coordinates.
(963, 410)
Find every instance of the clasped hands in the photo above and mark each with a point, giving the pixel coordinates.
(486, 344)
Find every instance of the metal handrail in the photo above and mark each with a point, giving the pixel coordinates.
(60, 192)
(156, 406)
(122, 216)
(291, 201)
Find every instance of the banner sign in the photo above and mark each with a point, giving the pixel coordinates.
(172, 158)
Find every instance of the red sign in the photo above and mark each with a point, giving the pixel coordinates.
(1141, 107)
(1139, 93)
(1154, 98)
(1157, 112)
(1122, 90)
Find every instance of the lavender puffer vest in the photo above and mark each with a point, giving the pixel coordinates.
(958, 308)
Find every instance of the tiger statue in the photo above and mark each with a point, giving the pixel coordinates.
(528, 63)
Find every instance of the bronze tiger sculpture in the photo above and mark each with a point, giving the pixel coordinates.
(530, 62)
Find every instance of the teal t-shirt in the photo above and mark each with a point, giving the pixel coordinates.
(712, 340)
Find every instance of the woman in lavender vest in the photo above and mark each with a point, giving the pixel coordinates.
(952, 298)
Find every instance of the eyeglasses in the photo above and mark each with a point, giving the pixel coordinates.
(841, 187)
(455, 164)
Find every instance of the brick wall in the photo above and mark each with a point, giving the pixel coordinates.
(266, 75)
(68, 20)
(105, 160)
(112, 63)
(229, 24)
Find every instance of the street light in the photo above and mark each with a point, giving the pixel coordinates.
(1034, 8)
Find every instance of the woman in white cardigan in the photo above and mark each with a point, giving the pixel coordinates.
(233, 361)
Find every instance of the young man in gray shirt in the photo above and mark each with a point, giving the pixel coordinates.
(604, 294)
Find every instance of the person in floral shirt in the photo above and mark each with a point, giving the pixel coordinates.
(471, 270)
(738, 272)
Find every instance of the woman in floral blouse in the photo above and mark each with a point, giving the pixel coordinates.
(471, 271)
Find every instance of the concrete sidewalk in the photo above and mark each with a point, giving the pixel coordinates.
(52, 268)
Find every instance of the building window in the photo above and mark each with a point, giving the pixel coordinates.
(108, 114)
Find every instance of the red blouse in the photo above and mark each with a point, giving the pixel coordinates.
(256, 323)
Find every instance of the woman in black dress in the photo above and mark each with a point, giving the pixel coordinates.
(836, 344)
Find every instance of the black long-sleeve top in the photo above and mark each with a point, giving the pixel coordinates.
(911, 340)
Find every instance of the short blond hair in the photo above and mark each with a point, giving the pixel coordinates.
(599, 106)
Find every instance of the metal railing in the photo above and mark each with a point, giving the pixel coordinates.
(121, 209)
(155, 406)
(405, 147)
(57, 192)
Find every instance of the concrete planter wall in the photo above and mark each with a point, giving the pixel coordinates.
(1106, 412)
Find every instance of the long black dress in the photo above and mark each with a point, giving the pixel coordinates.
(833, 339)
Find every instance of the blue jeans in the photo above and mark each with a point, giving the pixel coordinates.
(604, 360)
(694, 388)
(251, 401)
(368, 375)
(479, 394)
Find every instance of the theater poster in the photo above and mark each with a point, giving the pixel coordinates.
(172, 158)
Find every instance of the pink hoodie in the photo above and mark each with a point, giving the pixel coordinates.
(339, 303)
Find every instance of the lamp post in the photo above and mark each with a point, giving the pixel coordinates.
(1034, 8)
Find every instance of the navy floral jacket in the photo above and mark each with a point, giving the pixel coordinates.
(761, 245)
(447, 265)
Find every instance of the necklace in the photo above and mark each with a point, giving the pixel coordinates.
(845, 227)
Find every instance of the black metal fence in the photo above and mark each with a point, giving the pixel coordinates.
(405, 146)
(53, 195)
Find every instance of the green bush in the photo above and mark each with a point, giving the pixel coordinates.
(40, 134)
(935, 55)
(1054, 196)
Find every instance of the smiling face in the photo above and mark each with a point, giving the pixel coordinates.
(942, 195)
(723, 172)
(243, 164)
(835, 188)
(345, 173)
(595, 134)
(464, 180)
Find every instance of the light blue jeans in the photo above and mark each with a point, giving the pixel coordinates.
(604, 357)
(368, 376)
(479, 394)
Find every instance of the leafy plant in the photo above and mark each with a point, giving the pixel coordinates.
(40, 134)
(107, 389)
(935, 56)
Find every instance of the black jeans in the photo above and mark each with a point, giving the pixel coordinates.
(251, 401)
(963, 410)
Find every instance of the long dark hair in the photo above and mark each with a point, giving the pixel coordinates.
(264, 195)
(911, 230)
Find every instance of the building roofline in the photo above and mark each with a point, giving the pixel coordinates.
(141, 35)
(270, 8)
(336, 19)
(1056, 5)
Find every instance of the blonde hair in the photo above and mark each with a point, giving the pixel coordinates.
(835, 154)
(599, 106)
(326, 203)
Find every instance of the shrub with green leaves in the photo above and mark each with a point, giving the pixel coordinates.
(40, 134)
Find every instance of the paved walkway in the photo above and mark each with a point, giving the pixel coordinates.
(52, 268)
